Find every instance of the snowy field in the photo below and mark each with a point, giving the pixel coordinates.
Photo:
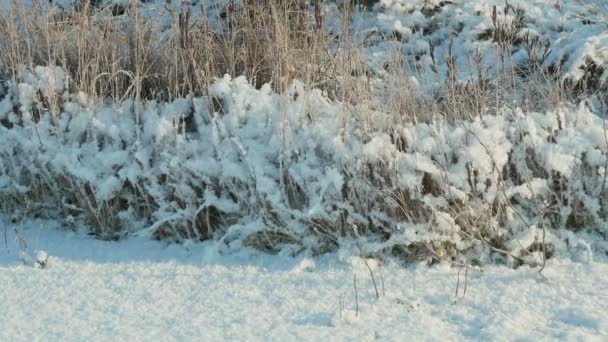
(317, 176)
(143, 290)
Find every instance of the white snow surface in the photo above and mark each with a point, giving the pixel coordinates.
(138, 289)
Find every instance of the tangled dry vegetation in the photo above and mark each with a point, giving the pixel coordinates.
(119, 52)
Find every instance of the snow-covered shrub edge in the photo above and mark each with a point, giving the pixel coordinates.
(296, 171)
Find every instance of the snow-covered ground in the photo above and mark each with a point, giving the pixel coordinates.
(61, 286)
(144, 290)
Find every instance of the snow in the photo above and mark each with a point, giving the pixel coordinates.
(137, 289)
(264, 158)
(93, 161)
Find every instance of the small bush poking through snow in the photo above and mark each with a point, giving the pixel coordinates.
(41, 259)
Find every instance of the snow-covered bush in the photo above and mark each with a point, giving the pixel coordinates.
(561, 39)
(297, 171)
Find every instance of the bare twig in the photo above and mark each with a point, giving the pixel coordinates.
(381, 280)
(341, 305)
(371, 271)
(356, 295)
